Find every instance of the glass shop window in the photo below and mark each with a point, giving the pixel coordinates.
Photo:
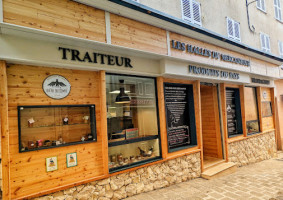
(251, 110)
(132, 121)
(233, 109)
(50, 126)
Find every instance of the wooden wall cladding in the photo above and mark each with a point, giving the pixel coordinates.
(28, 171)
(64, 17)
(129, 33)
(267, 122)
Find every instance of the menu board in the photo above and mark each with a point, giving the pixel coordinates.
(231, 112)
(177, 114)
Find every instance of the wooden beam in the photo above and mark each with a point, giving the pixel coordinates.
(103, 111)
(277, 126)
(272, 93)
(224, 118)
(217, 123)
(243, 109)
(197, 102)
(162, 117)
(258, 92)
(4, 131)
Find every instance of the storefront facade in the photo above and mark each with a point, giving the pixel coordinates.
(113, 112)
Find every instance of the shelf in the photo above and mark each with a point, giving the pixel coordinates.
(61, 145)
(134, 140)
(55, 125)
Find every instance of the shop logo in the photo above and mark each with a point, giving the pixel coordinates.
(56, 87)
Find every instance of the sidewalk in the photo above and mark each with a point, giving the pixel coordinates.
(262, 180)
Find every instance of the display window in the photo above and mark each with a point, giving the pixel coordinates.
(251, 110)
(132, 121)
(233, 109)
(42, 127)
(180, 117)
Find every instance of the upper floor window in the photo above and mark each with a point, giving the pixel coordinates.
(277, 7)
(233, 29)
(280, 43)
(260, 4)
(191, 11)
(265, 42)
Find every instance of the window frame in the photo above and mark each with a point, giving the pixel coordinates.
(258, 116)
(191, 19)
(233, 26)
(158, 136)
(264, 48)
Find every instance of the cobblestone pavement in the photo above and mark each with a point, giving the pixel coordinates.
(263, 180)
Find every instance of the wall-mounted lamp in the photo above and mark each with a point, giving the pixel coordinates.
(252, 28)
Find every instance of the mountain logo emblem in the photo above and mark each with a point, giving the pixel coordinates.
(56, 87)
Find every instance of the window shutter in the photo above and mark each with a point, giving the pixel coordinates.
(187, 15)
(278, 6)
(276, 9)
(280, 48)
(262, 41)
(237, 31)
(230, 28)
(196, 12)
(262, 5)
(267, 43)
(258, 3)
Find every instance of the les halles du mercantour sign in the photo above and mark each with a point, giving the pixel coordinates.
(207, 53)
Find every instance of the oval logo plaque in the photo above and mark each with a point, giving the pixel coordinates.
(56, 87)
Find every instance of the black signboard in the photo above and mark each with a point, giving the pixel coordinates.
(233, 108)
(180, 117)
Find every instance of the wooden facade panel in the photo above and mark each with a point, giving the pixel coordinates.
(64, 17)
(129, 33)
(90, 157)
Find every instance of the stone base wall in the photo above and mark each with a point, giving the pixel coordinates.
(253, 149)
(128, 184)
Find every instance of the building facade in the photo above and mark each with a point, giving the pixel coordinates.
(108, 99)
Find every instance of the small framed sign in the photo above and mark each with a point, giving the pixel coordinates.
(71, 159)
(56, 87)
(51, 164)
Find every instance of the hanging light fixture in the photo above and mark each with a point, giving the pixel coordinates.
(122, 97)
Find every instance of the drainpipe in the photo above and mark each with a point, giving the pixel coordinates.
(251, 27)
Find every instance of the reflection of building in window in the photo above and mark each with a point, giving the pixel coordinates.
(266, 109)
(251, 110)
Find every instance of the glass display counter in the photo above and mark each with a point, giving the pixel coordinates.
(42, 127)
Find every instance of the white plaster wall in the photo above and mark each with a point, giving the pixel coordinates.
(214, 15)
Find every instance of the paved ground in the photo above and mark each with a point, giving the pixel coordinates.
(258, 181)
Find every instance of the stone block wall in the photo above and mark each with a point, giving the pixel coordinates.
(253, 149)
(141, 180)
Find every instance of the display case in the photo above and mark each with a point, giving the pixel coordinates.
(132, 121)
(42, 127)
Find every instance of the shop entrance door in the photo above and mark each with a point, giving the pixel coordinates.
(211, 134)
